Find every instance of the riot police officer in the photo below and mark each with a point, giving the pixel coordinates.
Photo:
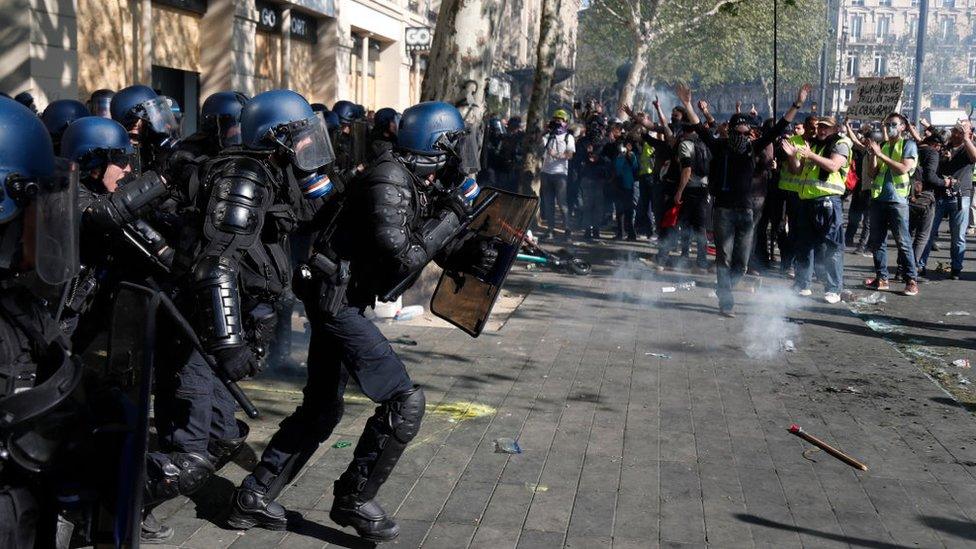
(38, 375)
(404, 212)
(350, 141)
(119, 242)
(151, 124)
(238, 267)
(383, 134)
(220, 125)
(58, 115)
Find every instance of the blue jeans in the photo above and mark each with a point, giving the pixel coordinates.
(733, 246)
(958, 220)
(892, 216)
(819, 228)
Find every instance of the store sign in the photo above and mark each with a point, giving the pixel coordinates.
(303, 27)
(875, 97)
(196, 6)
(418, 38)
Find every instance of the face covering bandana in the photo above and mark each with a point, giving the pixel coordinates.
(739, 143)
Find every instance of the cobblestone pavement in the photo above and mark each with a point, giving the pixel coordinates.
(647, 420)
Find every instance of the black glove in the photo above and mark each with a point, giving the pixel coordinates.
(236, 362)
(476, 256)
(263, 331)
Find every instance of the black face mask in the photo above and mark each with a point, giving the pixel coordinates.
(739, 143)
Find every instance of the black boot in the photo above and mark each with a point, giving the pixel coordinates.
(250, 508)
(223, 451)
(368, 518)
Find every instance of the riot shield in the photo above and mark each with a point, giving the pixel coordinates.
(359, 132)
(466, 300)
(123, 412)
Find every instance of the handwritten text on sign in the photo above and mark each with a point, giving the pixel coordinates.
(874, 98)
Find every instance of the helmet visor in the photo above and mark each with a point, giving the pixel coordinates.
(307, 142)
(228, 130)
(101, 106)
(470, 153)
(159, 115)
(57, 224)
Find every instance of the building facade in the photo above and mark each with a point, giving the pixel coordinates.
(324, 49)
(878, 38)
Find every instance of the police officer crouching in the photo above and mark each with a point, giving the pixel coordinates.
(39, 419)
(402, 213)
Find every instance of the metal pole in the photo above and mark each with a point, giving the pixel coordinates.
(835, 106)
(775, 58)
(823, 65)
(923, 17)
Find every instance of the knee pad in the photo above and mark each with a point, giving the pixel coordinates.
(404, 413)
(182, 473)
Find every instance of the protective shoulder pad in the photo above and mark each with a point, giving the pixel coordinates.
(240, 187)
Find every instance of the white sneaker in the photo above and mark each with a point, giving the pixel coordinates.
(806, 292)
(832, 297)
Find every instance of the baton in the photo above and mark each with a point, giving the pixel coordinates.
(234, 389)
(798, 431)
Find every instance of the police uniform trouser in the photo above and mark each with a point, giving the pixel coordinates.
(343, 345)
(195, 407)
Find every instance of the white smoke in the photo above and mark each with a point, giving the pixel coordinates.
(769, 331)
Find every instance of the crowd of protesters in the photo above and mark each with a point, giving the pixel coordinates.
(767, 194)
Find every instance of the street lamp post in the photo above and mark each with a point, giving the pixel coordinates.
(775, 58)
(923, 17)
(840, 70)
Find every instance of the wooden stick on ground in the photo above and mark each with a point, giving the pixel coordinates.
(798, 431)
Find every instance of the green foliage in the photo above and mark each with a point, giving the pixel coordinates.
(733, 46)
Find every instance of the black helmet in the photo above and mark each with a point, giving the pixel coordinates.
(345, 110)
(383, 118)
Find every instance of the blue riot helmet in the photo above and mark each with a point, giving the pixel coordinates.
(386, 120)
(59, 114)
(319, 107)
(140, 102)
(32, 179)
(221, 114)
(100, 103)
(92, 142)
(345, 110)
(431, 135)
(359, 112)
(282, 120)
(331, 120)
(27, 100)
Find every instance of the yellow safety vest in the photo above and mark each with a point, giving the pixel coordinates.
(901, 181)
(835, 183)
(646, 161)
(788, 181)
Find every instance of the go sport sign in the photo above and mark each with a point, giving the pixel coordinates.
(875, 97)
(418, 38)
(303, 27)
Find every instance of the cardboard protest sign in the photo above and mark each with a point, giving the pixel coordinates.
(875, 97)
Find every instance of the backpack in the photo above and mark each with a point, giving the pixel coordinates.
(852, 179)
(702, 159)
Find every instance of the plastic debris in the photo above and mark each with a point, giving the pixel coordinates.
(850, 389)
(789, 346)
(873, 299)
(659, 355)
(342, 444)
(410, 312)
(403, 340)
(507, 446)
(961, 363)
(882, 326)
(536, 488)
(668, 290)
(957, 313)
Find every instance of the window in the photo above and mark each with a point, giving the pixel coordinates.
(914, 3)
(857, 23)
(972, 68)
(885, 3)
(847, 95)
(880, 65)
(948, 27)
(948, 3)
(941, 100)
(852, 65)
(883, 27)
(912, 24)
(859, 3)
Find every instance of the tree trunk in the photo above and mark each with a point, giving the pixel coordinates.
(637, 64)
(461, 56)
(545, 67)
